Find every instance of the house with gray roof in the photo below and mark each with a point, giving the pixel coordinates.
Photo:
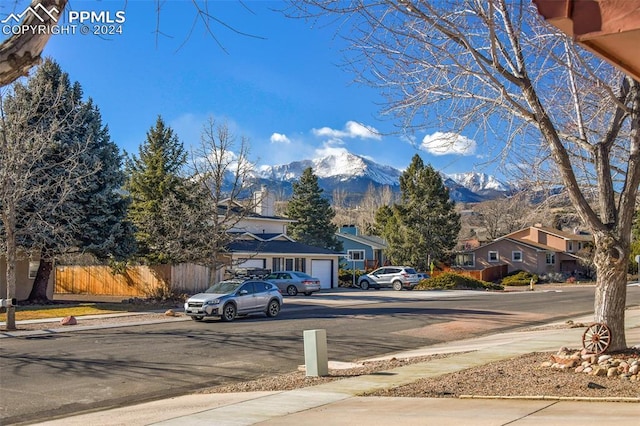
(263, 243)
(364, 252)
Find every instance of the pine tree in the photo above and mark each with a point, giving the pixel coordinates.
(61, 176)
(424, 227)
(154, 178)
(313, 214)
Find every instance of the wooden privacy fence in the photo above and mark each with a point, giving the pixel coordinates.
(135, 281)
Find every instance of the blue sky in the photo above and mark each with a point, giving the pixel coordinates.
(282, 87)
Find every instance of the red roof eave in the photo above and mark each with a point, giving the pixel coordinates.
(608, 28)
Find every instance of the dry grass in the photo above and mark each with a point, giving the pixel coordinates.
(64, 309)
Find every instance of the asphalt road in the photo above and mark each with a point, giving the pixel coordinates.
(42, 377)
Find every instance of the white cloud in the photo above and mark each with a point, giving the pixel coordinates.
(441, 143)
(279, 138)
(329, 149)
(351, 130)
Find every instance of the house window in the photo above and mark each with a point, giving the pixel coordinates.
(276, 264)
(465, 259)
(570, 246)
(288, 264)
(494, 256)
(516, 256)
(355, 254)
(580, 246)
(33, 270)
(551, 258)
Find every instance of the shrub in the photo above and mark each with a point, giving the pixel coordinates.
(519, 278)
(451, 281)
(345, 277)
(553, 277)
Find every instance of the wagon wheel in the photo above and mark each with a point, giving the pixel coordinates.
(596, 338)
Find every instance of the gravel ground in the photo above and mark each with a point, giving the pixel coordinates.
(520, 376)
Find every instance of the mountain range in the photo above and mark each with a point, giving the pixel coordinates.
(353, 174)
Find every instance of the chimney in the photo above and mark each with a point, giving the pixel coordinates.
(349, 229)
(264, 202)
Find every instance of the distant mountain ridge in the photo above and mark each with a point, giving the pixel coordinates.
(353, 174)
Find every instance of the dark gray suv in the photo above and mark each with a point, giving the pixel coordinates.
(396, 277)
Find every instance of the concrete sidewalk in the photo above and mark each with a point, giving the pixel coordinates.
(337, 403)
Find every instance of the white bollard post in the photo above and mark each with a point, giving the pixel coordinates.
(315, 353)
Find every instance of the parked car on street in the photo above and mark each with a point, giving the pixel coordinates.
(294, 282)
(396, 277)
(228, 299)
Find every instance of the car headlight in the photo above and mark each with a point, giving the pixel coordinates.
(211, 302)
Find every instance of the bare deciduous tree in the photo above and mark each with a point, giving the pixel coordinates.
(34, 190)
(22, 51)
(221, 169)
(504, 215)
(495, 69)
(362, 213)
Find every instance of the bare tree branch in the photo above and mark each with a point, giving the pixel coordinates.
(20, 52)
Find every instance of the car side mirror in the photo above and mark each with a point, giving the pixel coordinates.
(243, 292)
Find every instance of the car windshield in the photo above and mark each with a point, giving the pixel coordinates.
(271, 277)
(224, 287)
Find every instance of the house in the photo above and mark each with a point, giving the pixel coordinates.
(364, 252)
(609, 29)
(26, 270)
(262, 242)
(537, 249)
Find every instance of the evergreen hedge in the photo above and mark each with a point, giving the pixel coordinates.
(451, 281)
(519, 278)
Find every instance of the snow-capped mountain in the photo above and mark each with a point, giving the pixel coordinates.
(478, 182)
(341, 168)
(485, 185)
(353, 174)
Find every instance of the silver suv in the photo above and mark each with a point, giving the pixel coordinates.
(227, 299)
(397, 277)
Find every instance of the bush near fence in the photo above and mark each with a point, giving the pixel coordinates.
(452, 281)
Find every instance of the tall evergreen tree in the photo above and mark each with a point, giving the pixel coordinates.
(313, 214)
(424, 227)
(61, 176)
(153, 179)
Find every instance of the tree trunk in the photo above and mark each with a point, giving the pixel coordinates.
(40, 284)
(611, 287)
(9, 220)
(20, 52)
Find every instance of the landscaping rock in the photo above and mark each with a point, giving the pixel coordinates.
(70, 320)
(622, 366)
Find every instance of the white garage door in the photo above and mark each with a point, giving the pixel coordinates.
(322, 269)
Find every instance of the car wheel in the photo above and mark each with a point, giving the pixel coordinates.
(197, 318)
(364, 285)
(397, 285)
(273, 309)
(292, 290)
(229, 312)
